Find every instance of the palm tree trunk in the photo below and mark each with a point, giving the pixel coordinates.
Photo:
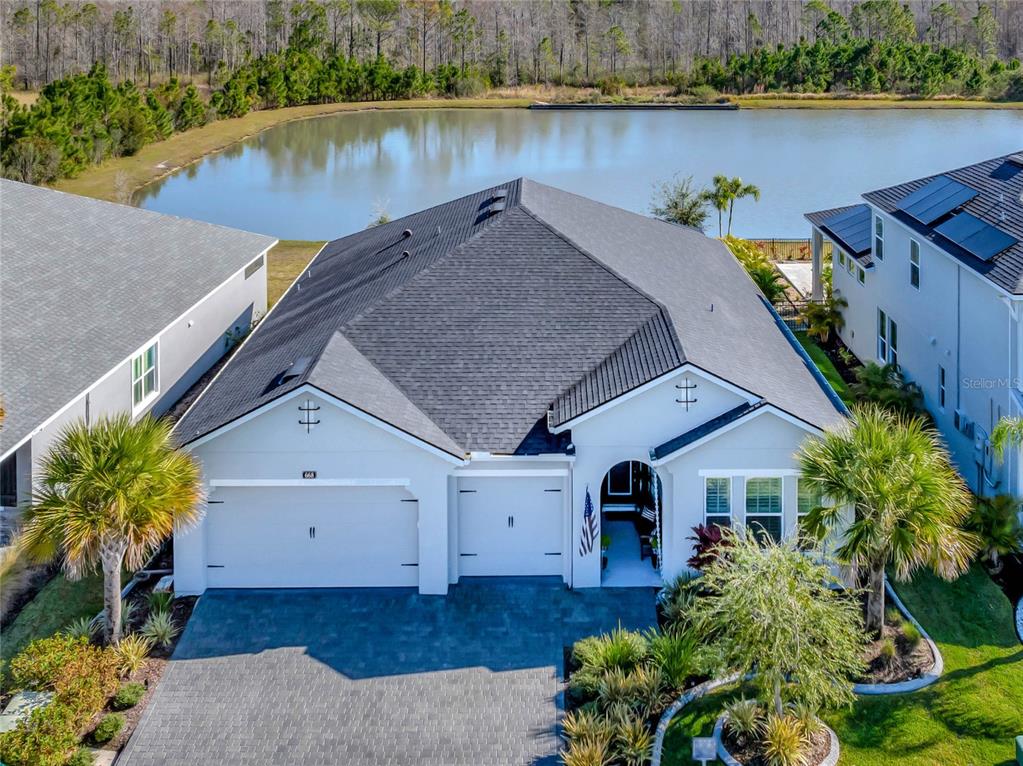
(777, 697)
(111, 555)
(721, 230)
(875, 599)
(730, 204)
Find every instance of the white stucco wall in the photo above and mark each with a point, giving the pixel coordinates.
(957, 320)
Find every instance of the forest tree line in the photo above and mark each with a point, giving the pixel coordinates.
(308, 56)
(512, 41)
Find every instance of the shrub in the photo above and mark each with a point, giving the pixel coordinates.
(808, 718)
(633, 741)
(676, 600)
(620, 649)
(159, 600)
(704, 94)
(81, 676)
(674, 653)
(744, 718)
(160, 628)
(893, 616)
(586, 752)
(586, 724)
(709, 542)
(82, 757)
(783, 741)
(887, 386)
(108, 727)
(83, 627)
(132, 653)
(640, 691)
(611, 86)
(912, 633)
(40, 665)
(887, 652)
(129, 611)
(42, 739)
(128, 696)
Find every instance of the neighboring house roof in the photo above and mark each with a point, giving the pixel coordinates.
(484, 313)
(86, 283)
(998, 186)
(848, 227)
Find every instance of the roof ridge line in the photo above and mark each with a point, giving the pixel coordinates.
(1002, 157)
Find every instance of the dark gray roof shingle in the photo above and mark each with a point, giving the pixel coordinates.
(476, 324)
(999, 183)
(86, 283)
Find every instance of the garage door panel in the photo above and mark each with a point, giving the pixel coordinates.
(510, 526)
(312, 537)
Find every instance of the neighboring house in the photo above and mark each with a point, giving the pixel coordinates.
(933, 273)
(105, 308)
(488, 386)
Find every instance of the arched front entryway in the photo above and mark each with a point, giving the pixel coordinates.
(630, 525)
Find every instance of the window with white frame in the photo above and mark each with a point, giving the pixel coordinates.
(841, 259)
(808, 497)
(145, 378)
(941, 387)
(887, 339)
(914, 263)
(879, 238)
(619, 479)
(764, 506)
(717, 508)
(861, 275)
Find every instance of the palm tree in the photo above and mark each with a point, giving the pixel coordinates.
(724, 194)
(1008, 433)
(678, 202)
(111, 493)
(908, 501)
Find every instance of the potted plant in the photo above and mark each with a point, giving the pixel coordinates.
(605, 543)
(655, 547)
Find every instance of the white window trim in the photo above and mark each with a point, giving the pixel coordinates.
(728, 483)
(861, 275)
(780, 515)
(878, 237)
(137, 407)
(619, 494)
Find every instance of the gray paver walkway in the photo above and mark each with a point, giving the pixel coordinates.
(375, 676)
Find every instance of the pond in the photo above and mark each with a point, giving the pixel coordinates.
(326, 177)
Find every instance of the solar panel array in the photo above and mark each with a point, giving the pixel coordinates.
(851, 228)
(975, 236)
(935, 199)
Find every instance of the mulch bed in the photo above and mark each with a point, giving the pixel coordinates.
(751, 753)
(910, 660)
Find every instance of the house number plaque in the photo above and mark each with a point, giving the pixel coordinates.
(308, 474)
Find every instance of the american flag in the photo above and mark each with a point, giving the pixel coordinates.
(589, 536)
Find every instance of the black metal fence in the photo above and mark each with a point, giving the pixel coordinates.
(793, 313)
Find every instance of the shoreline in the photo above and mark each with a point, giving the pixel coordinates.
(120, 178)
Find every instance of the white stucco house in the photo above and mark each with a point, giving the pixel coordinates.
(105, 308)
(932, 270)
(488, 387)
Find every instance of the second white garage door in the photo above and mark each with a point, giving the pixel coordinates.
(510, 526)
(312, 537)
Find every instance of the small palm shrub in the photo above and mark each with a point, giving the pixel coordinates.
(586, 752)
(912, 633)
(675, 600)
(674, 653)
(744, 718)
(995, 520)
(633, 741)
(783, 741)
(618, 650)
(128, 696)
(160, 628)
(887, 651)
(886, 386)
(83, 627)
(808, 718)
(108, 727)
(586, 724)
(132, 653)
(159, 600)
(129, 611)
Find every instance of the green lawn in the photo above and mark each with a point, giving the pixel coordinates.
(826, 367)
(967, 718)
(60, 602)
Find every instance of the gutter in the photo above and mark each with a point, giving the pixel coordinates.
(834, 398)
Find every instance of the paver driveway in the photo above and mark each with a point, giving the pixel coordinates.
(365, 677)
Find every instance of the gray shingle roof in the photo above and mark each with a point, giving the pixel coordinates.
(999, 183)
(480, 322)
(85, 283)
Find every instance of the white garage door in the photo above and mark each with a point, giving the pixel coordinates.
(311, 537)
(510, 526)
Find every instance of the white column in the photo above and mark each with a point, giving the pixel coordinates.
(432, 494)
(190, 556)
(817, 291)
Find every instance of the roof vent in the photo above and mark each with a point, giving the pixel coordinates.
(499, 194)
(405, 253)
(294, 370)
(496, 207)
(407, 233)
(1016, 159)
